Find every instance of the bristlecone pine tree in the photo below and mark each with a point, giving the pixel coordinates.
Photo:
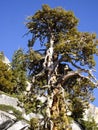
(62, 69)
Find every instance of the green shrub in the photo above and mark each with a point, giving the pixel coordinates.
(89, 125)
(7, 82)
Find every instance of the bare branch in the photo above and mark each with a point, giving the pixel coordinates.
(88, 78)
(78, 67)
(78, 73)
(69, 75)
(38, 75)
(40, 50)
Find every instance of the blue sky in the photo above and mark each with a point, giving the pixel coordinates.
(13, 14)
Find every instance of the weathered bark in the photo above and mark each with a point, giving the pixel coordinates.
(55, 101)
(58, 109)
(48, 65)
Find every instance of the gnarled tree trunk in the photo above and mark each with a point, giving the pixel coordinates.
(55, 103)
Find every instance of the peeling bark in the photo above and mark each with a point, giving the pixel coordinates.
(55, 93)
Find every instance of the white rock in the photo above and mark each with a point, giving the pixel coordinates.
(6, 124)
(6, 60)
(32, 115)
(41, 98)
(19, 125)
(92, 111)
(28, 88)
(4, 116)
(6, 100)
(75, 126)
(10, 112)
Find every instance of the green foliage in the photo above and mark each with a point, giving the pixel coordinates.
(78, 108)
(32, 104)
(7, 83)
(34, 122)
(89, 124)
(80, 93)
(19, 70)
(71, 48)
(50, 21)
(77, 47)
(34, 62)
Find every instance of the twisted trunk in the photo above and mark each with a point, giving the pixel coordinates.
(55, 95)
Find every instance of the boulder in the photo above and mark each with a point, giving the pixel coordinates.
(4, 116)
(32, 115)
(91, 112)
(5, 125)
(11, 101)
(19, 126)
(75, 126)
(6, 60)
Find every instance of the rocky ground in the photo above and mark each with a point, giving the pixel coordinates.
(13, 116)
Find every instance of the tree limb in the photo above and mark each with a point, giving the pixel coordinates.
(78, 73)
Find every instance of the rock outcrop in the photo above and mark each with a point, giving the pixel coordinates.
(9, 121)
(19, 125)
(75, 126)
(8, 118)
(4, 58)
(91, 112)
(10, 101)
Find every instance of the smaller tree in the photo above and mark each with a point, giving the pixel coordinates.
(7, 83)
(19, 70)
